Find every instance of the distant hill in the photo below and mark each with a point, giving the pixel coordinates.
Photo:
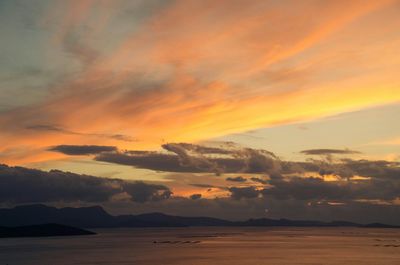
(42, 231)
(96, 217)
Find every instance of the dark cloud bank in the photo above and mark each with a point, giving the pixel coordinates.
(362, 190)
(24, 185)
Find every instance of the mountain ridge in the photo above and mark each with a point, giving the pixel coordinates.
(97, 217)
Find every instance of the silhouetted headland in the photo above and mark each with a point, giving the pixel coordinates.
(43, 230)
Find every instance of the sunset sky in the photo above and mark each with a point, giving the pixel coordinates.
(233, 109)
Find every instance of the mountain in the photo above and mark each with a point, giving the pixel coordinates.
(42, 231)
(96, 217)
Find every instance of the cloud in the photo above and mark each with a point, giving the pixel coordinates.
(82, 149)
(329, 152)
(201, 149)
(317, 189)
(195, 196)
(73, 45)
(58, 129)
(379, 169)
(200, 185)
(236, 179)
(238, 193)
(346, 168)
(24, 185)
(369, 199)
(350, 181)
(259, 180)
(148, 160)
(182, 159)
(142, 192)
(185, 159)
(43, 127)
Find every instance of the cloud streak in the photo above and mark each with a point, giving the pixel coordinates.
(82, 149)
(57, 129)
(329, 152)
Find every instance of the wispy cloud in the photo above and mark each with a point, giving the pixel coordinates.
(180, 77)
(51, 128)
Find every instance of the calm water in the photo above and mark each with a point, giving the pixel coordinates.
(217, 246)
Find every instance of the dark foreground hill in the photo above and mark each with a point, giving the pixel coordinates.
(96, 217)
(42, 231)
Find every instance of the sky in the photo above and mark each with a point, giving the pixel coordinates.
(232, 109)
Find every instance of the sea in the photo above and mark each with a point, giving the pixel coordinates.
(209, 245)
